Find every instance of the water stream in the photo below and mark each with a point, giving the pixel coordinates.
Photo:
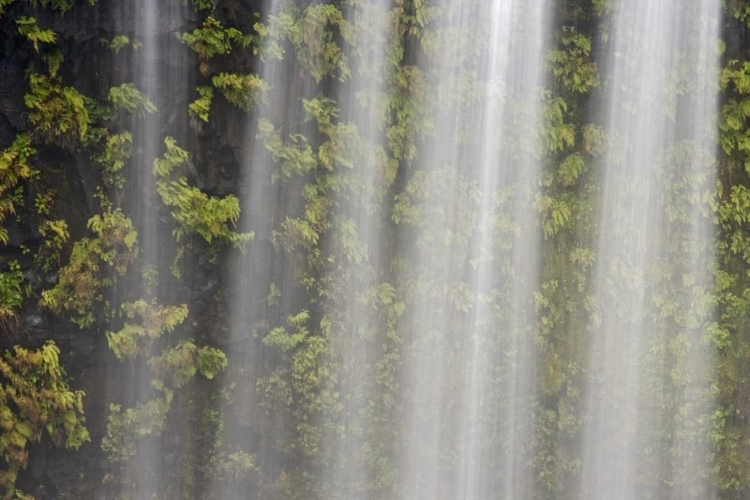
(652, 309)
(418, 293)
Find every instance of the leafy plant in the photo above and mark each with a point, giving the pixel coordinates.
(119, 42)
(244, 91)
(295, 157)
(202, 106)
(304, 385)
(313, 32)
(55, 235)
(558, 135)
(61, 5)
(571, 169)
(11, 293)
(59, 114)
(572, 63)
(735, 135)
(15, 167)
(213, 39)
(3, 5)
(94, 264)
(136, 338)
(130, 99)
(126, 429)
(172, 369)
(203, 4)
(118, 149)
(194, 211)
(35, 399)
(28, 27)
(175, 367)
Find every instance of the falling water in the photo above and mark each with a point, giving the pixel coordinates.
(155, 76)
(147, 138)
(511, 175)
(468, 415)
(471, 373)
(359, 247)
(649, 366)
(468, 375)
(263, 281)
(695, 231)
(381, 328)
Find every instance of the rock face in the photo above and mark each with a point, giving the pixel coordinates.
(299, 378)
(92, 68)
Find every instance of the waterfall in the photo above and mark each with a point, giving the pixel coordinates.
(354, 224)
(148, 143)
(263, 287)
(356, 328)
(508, 182)
(484, 179)
(375, 249)
(649, 364)
(470, 371)
(164, 82)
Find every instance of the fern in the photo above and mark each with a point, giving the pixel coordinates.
(59, 113)
(119, 42)
(244, 91)
(194, 211)
(28, 27)
(117, 151)
(11, 291)
(3, 5)
(35, 399)
(201, 106)
(136, 338)
(213, 39)
(14, 169)
(572, 63)
(94, 264)
(128, 98)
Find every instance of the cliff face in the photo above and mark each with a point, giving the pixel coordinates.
(244, 403)
(91, 66)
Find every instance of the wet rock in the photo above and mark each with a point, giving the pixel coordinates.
(33, 319)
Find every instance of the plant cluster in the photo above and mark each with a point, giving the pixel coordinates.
(312, 393)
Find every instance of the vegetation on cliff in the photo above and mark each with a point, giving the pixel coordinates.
(85, 265)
